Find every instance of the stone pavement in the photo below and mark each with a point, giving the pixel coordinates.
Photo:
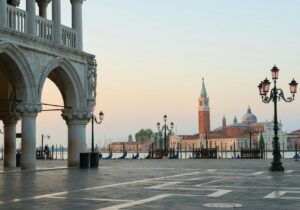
(153, 184)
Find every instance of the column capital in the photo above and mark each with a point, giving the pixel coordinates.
(77, 1)
(10, 118)
(14, 3)
(29, 108)
(42, 2)
(76, 116)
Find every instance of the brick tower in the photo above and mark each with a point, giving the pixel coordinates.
(203, 112)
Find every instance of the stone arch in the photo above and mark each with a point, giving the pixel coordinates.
(16, 75)
(66, 78)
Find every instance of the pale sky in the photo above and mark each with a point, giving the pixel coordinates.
(153, 54)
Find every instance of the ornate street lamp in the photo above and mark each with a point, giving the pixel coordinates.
(165, 128)
(276, 95)
(94, 119)
(94, 158)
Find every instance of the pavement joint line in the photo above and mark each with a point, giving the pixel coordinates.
(213, 181)
(194, 189)
(38, 170)
(91, 199)
(161, 196)
(219, 193)
(249, 187)
(95, 188)
(160, 186)
(258, 173)
(279, 194)
(137, 202)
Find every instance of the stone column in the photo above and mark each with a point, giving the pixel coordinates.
(43, 4)
(3, 13)
(31, 19)
(76, 121)
(10, 123)
(77, 21)
(56, 18)
(28, 150)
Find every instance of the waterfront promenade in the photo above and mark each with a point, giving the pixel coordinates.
(153, 184)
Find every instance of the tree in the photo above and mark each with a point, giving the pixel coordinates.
(144, 135)
(130, 138)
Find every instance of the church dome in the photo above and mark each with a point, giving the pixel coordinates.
(249, 118)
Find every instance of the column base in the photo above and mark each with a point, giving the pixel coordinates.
(72, 163)
(276, 167)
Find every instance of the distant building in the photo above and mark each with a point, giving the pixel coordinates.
(228, 137)
(129, 146)
(293, 139)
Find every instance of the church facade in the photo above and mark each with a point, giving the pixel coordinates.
(229, 137)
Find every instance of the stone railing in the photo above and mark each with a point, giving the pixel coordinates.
(16, 19)
(68, 36)
(44, 28)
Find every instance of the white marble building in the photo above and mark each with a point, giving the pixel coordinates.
(268, 135)
(33, 48)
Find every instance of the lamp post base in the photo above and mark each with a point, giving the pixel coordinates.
(276, 167)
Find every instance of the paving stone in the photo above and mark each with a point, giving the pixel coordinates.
(153, 184)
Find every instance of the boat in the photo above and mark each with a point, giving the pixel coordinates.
(109, 157)
(123, 156)
(135, 157)
(296, 157)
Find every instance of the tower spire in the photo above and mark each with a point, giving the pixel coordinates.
(203, 90)
(203, 112)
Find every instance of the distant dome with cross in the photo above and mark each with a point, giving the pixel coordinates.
(249, 118)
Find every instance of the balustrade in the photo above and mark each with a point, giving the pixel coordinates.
(16, 19)
(68, 36)
(44, 28)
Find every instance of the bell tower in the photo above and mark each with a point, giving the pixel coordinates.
(203, 112)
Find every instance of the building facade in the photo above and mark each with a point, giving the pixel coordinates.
(33, 48)
(228, 137)
(129, 147)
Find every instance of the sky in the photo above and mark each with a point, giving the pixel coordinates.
(153, 54)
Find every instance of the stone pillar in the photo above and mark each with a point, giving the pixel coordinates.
(76, 121)
(77, 21)
(28, 150)
(3, 13)
(43, 4)
(56, 18)
(31, 19)
(10, 123)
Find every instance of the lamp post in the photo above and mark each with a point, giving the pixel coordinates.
(250, 140)
(94, 157)
(276, 95)
(165, 128)
(206, 140)
(46, 136)
(94, 120)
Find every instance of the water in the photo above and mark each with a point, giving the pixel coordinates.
(187, 155)
(182, 155)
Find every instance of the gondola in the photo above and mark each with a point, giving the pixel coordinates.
(135, 157)
(109, 157)
(123, 156)
(296, 157)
